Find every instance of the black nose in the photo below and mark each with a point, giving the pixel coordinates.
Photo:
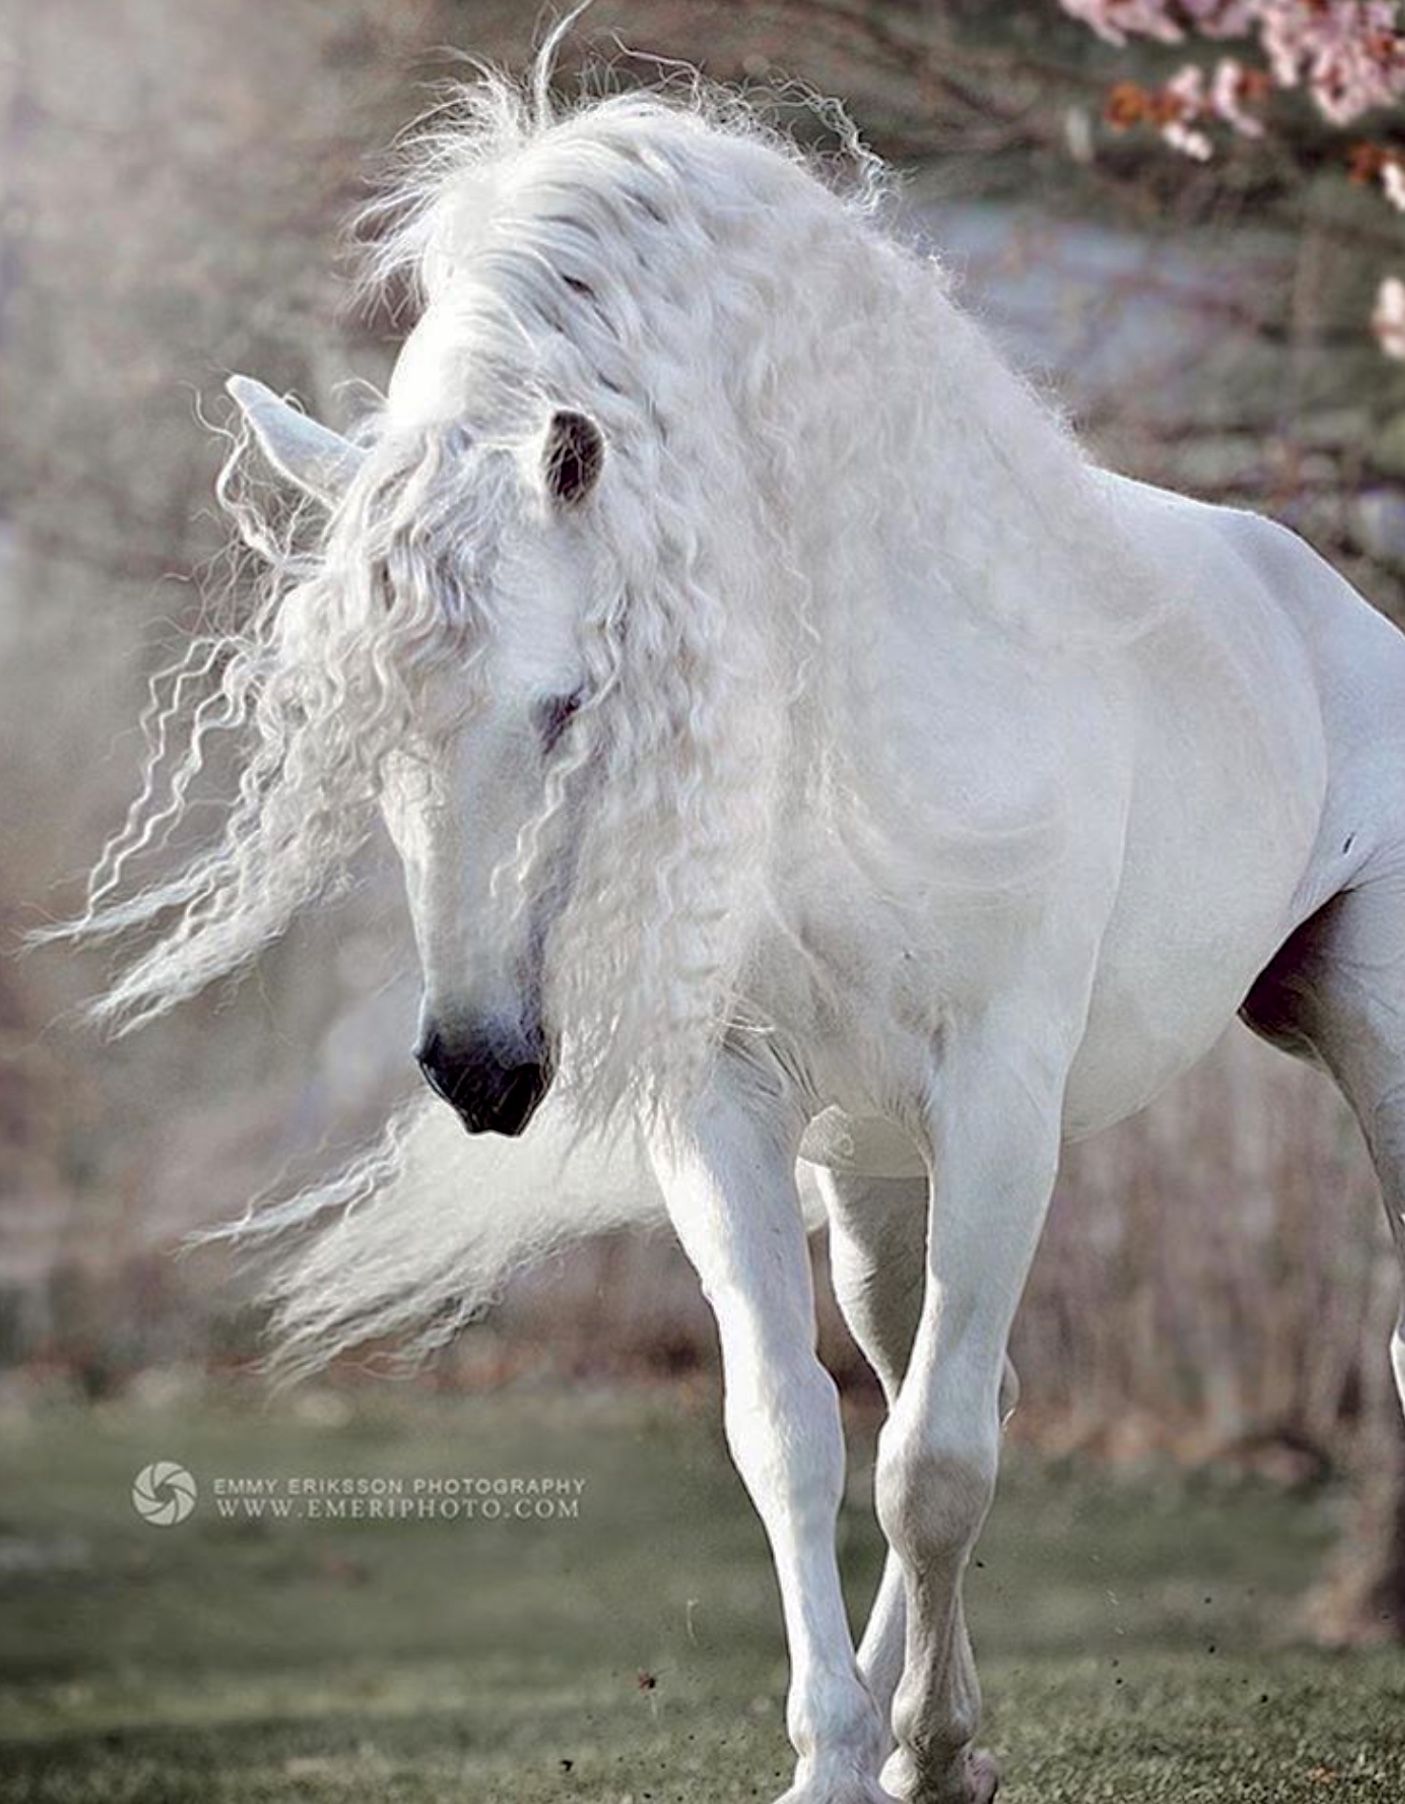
(493, 1082)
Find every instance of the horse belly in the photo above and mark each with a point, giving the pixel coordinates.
(1131, 1053)
(1163, 997)
(1207, 898)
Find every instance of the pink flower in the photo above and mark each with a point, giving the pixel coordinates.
(1117, 20)
(1222, 18)
(1348, 53)
(1186, 92)
(1227, 92)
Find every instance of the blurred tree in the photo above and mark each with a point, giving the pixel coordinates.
(1347, 57)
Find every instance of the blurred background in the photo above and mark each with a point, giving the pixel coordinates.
(1215, 1291)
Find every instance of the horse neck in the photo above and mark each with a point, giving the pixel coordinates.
(911, 450)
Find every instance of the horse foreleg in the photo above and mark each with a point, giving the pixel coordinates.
(995, 1126)
(878, 1265)
(877, 1258)
(729, 1179)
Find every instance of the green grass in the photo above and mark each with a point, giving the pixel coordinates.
(1132, 1635)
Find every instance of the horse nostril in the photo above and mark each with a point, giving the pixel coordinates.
(440, 1072)
(516, 1102)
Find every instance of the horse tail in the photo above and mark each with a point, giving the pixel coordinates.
(417, 1236)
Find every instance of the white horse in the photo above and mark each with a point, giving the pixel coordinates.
(796, 746)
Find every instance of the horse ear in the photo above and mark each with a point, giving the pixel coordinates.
(572, 457)
(318, 461)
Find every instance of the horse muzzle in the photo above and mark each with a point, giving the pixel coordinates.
(493, 1081)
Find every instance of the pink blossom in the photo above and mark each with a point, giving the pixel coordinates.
(1117, 20)
(1189, 140)
(1182, 130)
(1187, 85)
(1222, 18)
(1227, 98)
(1348, 53)
(1187, 88)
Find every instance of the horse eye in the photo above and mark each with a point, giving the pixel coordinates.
(554, 716)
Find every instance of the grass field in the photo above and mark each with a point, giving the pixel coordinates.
(1132, 1634)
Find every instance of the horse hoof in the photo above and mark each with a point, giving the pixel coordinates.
(983, 1775)
(974, 1779)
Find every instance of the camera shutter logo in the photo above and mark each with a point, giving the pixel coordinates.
(164, 1493)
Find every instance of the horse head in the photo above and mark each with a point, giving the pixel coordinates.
(492, 746)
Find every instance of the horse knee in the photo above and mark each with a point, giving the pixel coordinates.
(932, 1491)
(783, 1427)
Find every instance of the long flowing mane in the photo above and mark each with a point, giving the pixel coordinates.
(792, 401)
